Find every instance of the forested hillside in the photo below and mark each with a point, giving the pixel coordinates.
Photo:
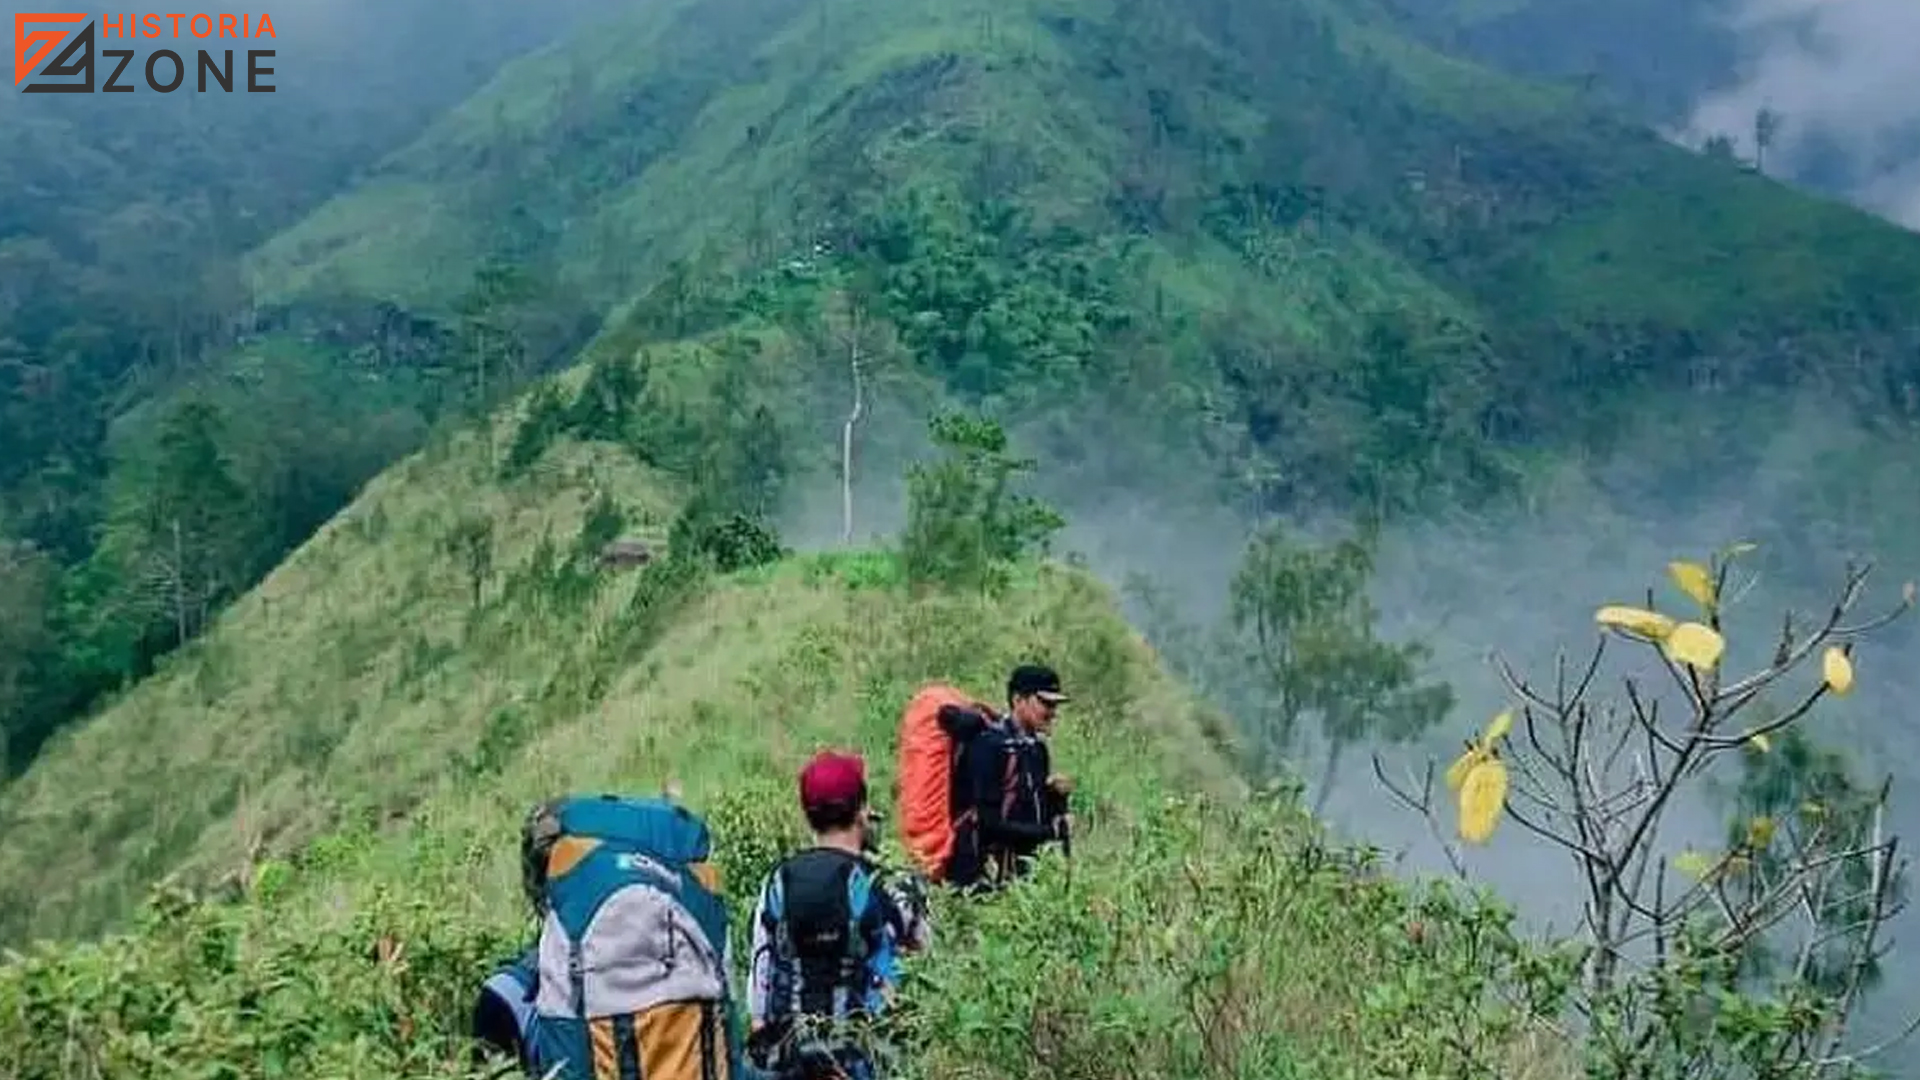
(1145, 178)
(122, 219)
(1370, 276)
(1804, 90)
(1278, 257)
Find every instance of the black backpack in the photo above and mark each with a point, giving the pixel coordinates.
(818, 914)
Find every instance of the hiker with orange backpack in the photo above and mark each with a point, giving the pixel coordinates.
(978, 793)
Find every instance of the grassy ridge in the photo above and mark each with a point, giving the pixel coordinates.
(357, 952)
(325, 792)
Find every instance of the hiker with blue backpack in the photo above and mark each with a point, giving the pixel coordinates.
(828, 929)
(629, 976)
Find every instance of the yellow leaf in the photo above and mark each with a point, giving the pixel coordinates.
(1692, 643)
(1839, 671)
(1482, 799)
(1760, 832)
(1694, 864)
(1694, 580)
(1647, 624)
(1812, 809)
(1457, 772)
(1499, 728)
(1760, 743)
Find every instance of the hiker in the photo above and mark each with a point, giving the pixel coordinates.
(632, 963)
(503, 1016)
(1012, 801)
(977, 793)
(827, 929)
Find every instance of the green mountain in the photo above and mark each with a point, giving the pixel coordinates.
(122, 218)
(1372, 275)
(1277, 254)
(1364, 272)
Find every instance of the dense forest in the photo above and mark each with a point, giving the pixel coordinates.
(164, 437)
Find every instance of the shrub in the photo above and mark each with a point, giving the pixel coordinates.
(1671, 983)
(965, 524)
(384, 993)
(1204, 943)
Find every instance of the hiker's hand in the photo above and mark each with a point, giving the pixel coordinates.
(1061, 783)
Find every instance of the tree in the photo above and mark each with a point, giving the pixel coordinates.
(28, 653)
(737, 449)
(965, 523)
(1766, 128)
(490, 348)
(853, 333)
(1793, 783)
(471, 542)
(609, 399)
(1669, 985)
(1316, 654)
(182, 531)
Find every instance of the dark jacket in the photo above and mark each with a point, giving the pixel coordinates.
(503, 1016)
(1003, 810)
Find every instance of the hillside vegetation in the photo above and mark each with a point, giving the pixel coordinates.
(338, 770)
(1305, 261)
(1370, 262)
(1274, 255)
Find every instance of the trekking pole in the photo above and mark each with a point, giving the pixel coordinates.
(1066, 835)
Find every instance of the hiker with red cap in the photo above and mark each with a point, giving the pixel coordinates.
(827, 930)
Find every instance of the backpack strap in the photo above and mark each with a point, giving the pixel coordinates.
(785, 991)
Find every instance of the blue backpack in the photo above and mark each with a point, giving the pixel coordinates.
(633, 954)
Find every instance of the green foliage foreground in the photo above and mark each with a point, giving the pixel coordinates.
(1197, 931)
(1200, 938)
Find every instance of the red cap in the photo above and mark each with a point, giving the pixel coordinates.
(833, 778)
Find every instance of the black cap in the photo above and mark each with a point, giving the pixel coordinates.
(1035, 679)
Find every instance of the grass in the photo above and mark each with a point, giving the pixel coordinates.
(1173, 872)
(293, 850)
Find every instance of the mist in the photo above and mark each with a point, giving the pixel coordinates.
(1811, 490)
(353, 81)
(1840, 73)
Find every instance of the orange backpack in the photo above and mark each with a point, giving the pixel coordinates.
(927, 752)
